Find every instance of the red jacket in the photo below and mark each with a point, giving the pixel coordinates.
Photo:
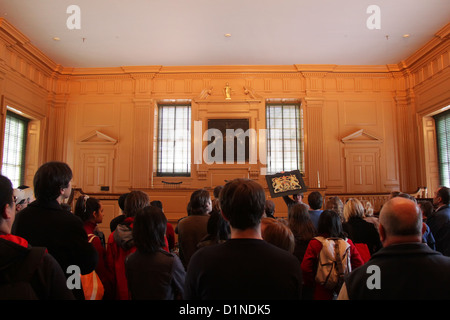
(309, 267)
(119, 246)
(101, 269)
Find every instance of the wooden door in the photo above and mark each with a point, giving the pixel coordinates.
(362, 166)
(97, 170)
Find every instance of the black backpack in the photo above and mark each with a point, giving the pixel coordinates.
(15, 283)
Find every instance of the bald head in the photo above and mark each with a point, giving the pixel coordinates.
(401, 218)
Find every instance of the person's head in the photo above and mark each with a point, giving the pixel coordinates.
(426, 207)
(299, 221)
(394, 194)
(278, 234)
(200, 202)
(315, 200)
(149, 229)
(157, 203)
(400, 221)
(330, 224)
(217, 226)
(242, 203)
(7, 205)
(89, 209)
(298, 197)
(216, 192)
(53, 181)
(442, 196)
(269, 208)
(353, 208)
(121, 201)
(406, 195)
(336, 204)
(134, 201)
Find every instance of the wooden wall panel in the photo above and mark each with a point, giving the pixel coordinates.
(387, 102)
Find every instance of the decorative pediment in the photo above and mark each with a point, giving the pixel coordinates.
(97, 137)
(361, 136)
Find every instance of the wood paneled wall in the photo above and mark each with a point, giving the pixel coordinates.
(366, 128)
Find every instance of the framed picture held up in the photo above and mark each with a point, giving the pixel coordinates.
(285, 183)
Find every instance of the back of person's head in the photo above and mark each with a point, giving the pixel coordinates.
(336, 204)
(242, 203)
(217, 226)
(394, 194)
(406, 196)
(401, 217)
(86, 206)
(444, 194)
(121, 201)
(330, 224)
(278, 233)
(134, 201)
(149, 229)
(6, 194)
(300, 223)
(157, 203)
(315, 200)
(216, 191)
(200, 200)
(269, 208)
(353, 208)
(426, 207)
(50, 178)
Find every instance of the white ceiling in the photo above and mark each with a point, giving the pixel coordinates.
(192, 32)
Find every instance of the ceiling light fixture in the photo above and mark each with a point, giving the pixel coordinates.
(56, 38)
(406, 35)
(228, 35)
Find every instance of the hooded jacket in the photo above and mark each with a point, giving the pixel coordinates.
(120, 245)
(47, 278)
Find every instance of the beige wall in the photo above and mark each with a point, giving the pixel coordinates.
(367, 128)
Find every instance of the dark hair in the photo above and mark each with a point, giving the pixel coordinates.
(315, 200)
(149, 229)
(426, 207)
(6, 193)
(122, 200)
(156, 203)
(86, 206)
(406, 196)
(217, 226)
(269, 208)
(50, 178)
(300, 222)
(444, 193)
(134, 201)
(330, 224)
(242, 202)
(216, 192)
(199, 201)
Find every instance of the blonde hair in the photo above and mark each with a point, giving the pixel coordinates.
(353, 208)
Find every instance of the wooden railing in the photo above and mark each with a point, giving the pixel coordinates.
(376, 199)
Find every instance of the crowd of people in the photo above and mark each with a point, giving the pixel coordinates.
(230, 246)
